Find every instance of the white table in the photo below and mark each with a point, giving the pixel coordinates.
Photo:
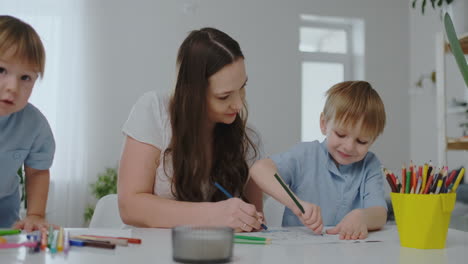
(157, 248)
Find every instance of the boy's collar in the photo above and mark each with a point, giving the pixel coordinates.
(4, 118)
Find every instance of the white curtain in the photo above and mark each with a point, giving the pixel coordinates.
(60, 95)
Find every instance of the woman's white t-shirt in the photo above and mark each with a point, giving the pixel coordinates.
(149, 123)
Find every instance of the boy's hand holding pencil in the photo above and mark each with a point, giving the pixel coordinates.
(309, 213)
(312, 216)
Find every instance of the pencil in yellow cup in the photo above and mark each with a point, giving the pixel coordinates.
(412, 212)
(458, 180)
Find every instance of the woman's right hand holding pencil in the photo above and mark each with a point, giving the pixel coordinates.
(237, 214)
(312, 216)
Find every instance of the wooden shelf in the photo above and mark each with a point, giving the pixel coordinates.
(463, 44)
(457, 144)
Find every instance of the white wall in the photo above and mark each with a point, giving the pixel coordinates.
(132, 48)
(423, 30)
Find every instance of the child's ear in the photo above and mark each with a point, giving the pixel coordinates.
(323, 124)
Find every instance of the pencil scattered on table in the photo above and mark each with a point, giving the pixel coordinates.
(252, 240)
(425, 179)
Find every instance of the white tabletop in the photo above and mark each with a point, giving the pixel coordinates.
(157, 248)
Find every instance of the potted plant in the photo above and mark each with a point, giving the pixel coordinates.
(24, 201)
(104, 185)
(434, 3)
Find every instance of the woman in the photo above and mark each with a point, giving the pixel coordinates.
(177, 146)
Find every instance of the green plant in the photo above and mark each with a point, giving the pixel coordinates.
(22, 177)
(105, 184)
(459, 58)
(434, 3)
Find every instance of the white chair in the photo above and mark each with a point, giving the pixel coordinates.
(273, 211)
(106, 214)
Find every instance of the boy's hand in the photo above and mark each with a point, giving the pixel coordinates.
(31, 223)
(352, 227)
(312, 216)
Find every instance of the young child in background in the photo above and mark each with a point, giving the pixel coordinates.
(336, 180)
(25, 136)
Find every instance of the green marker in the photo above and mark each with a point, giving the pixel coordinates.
(6, 232)
(50, 236)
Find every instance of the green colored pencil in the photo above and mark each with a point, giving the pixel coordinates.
(289, 192)
(6, 232)
(408, 182)
(252, 242)
(254, 238)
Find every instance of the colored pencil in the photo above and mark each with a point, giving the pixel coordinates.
(130, 240)
(458, 180)
(286, 188)
(252, 242)
(230, 196)
(252, 238)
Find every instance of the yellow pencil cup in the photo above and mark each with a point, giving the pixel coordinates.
(423, 219)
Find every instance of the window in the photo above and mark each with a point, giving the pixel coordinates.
(332, 51)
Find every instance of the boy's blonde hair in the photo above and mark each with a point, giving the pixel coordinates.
(20, 36)
(352, 101)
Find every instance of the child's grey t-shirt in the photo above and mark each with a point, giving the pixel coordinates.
(313, 176)
(25, 138)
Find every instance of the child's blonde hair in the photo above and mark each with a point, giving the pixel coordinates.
(20, 36)
(352, 101)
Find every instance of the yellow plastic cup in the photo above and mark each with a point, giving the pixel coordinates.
(423, 219)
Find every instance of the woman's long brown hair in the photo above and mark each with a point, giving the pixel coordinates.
(203, 53)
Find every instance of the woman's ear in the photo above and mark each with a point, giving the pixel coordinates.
(323, 124)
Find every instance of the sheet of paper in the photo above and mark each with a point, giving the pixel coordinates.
(303, 235)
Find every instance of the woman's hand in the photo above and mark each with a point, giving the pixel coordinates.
(312, 216)
(352, 227)
(237, 214)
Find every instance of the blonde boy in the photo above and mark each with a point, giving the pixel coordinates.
(25, 136)
(338, 182)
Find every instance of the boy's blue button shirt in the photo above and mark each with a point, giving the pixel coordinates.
(25, 138)
(314, 177)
